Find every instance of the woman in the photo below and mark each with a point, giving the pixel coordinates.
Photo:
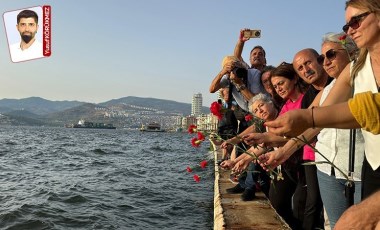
(337, 51)
(290, 88)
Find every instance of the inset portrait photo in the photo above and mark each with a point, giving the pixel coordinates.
(25, 33)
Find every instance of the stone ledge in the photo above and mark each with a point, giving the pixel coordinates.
(232, 213)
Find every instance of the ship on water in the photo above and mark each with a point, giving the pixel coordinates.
(92, 125)
(151, 127)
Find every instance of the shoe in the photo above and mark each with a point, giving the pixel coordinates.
(236, 189)
(248, 194)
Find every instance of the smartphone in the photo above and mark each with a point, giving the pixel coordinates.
(252, 33)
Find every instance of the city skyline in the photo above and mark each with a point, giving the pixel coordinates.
(167, 50)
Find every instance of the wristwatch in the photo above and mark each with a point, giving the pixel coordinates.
(240, 87)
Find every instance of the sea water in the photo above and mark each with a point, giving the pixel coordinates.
(65, 178)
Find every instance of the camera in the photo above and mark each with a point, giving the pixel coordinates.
(240, 72)
(252, 33)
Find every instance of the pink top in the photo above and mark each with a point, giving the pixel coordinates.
(308, 152)
(290, 105)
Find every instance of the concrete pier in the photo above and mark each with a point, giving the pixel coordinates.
(232, 213)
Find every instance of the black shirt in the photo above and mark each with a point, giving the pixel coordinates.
(311, 93)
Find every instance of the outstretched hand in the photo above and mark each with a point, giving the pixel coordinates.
(271, 160)
(227, 164)
(290, 124)
(267, 139)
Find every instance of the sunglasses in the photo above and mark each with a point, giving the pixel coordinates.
(330, 54)
(354, 23)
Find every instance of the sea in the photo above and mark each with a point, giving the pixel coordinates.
(67, 178)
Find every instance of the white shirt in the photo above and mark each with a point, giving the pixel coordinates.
(32, 52)
(253, 84)
(334, 145)
(365, 81)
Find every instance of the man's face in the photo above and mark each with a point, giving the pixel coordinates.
(307, 67)
(27, 27)
(257, 57)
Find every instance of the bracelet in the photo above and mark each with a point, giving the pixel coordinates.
(312, 116)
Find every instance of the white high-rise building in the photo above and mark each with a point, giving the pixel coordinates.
(196, 105)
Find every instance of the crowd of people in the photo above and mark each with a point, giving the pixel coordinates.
(314, 153)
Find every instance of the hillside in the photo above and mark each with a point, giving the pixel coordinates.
(123, 112)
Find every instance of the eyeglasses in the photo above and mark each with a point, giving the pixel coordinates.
(354, 23)
(330, 54)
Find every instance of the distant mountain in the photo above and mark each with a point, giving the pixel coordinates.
(123, 112)
(159, 104)
(36, 105)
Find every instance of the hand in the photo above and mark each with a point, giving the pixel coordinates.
(291, 123)
(268, 139)
(224, 145)
(227, 164)
(241, 35)
(356, 217)
(271, 160)
(241, 165)
(235, 79)
(228, 67)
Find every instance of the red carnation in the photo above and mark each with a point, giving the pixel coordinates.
(195, 142)
(201, 137)
(343, 37)
(216, 109)
(203, 164)
(192, 129)
(248, 117)
(188, 169)
(197, 178)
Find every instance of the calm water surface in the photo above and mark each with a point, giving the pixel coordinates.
(57, 178)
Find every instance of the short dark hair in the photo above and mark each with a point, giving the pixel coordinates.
(27, 14)
(258, 47)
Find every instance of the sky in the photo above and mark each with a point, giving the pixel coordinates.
(165, 49)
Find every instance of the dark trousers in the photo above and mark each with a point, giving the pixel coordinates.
(307, 201)
(280, 196)
(370, 179)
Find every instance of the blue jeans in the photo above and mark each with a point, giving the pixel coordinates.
(332, 193)
(248, 181)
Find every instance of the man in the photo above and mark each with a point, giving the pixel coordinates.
(29, 47)
(243, 85)
(257, 55)
(242, 88)
(307, 66)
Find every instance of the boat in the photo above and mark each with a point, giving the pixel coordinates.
(91, 125)
(151, 127)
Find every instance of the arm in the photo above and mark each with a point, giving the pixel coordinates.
(295, 122)
(365, 108)
(267, 138)
(365, 215)
(240, 86)
(215, 84)
(363, 111)
(240, 45)
(280, 155)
